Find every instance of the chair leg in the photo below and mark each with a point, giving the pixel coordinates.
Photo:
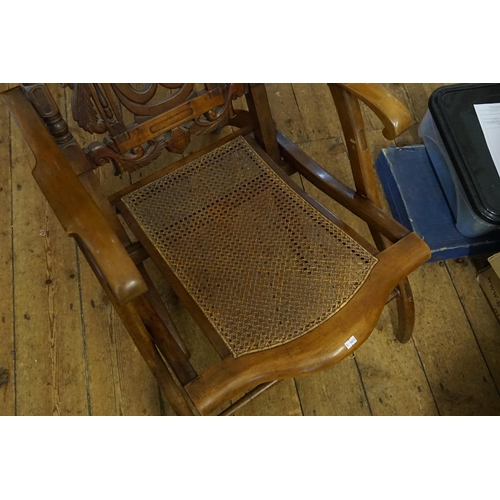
(164, 340)
(404, 298)
(145, 346)
(137, 330)
(157, 303)
(406, 312)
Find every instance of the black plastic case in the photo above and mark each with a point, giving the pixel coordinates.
(452, 108)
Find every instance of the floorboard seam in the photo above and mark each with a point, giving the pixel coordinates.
(425, 375)
(300, 112)
(80, 298)
(298, 396)
(362, 385)
(12, 268)
(84, 333)
(162, 405)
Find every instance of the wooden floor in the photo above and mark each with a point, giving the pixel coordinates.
(63, 350)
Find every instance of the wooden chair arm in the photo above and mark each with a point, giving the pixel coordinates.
(359, 205)
(394, 115)
(73, 205)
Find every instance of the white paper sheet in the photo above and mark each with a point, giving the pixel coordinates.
(489, 118)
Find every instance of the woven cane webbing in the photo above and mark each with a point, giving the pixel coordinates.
(263, 265)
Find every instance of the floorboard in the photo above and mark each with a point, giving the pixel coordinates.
(481, 317)
(7, 336)
(455, 367)
(336, 391)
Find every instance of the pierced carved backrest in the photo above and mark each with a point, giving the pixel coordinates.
(140, 120)
(143, 120)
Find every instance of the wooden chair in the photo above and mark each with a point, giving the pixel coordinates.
(280, 286)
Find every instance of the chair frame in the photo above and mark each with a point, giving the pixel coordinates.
(67, 179)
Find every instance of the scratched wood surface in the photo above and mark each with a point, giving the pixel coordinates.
(7, 336)
(64, 351)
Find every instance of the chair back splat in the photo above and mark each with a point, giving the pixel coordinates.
(143, 120)
(280, 286)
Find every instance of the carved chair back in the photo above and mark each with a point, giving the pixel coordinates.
(143, 120)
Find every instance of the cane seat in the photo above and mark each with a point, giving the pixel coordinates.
(247, 247)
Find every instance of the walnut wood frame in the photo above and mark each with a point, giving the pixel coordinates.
(65, 174)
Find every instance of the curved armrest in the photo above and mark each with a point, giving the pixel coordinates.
(394, 115)
(73, 205)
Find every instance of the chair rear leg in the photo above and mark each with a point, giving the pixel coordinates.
(404, 298)
(406, 312)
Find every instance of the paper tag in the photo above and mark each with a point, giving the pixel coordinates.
(350, 342)
(489, 119)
